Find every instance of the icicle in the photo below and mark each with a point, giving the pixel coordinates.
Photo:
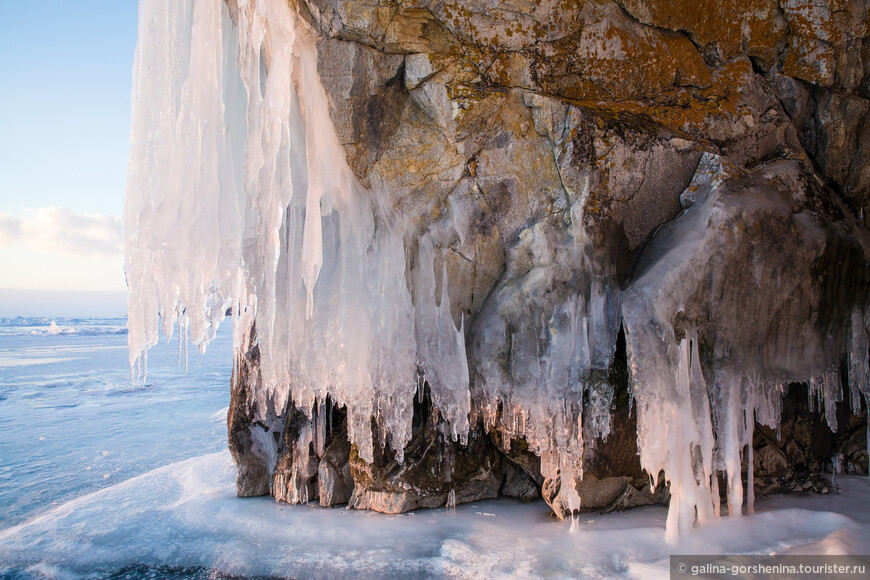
(714, 493)
(750, 480)
(731, 444)
(294, 488)
(312, 248)
(145, 368)
(134, 371)
(440, 344)
(320, 425)
(575, 525)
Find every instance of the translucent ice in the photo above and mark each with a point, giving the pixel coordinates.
(240, 196)
(720, 317)
(544, 336)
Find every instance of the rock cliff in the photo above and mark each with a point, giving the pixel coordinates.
(644, 220)
(486, 122)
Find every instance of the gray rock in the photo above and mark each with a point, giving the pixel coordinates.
(433, 467)
(251, 459)
(334, 478)
(520, 485)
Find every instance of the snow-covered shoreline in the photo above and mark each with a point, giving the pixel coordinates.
(186, 516)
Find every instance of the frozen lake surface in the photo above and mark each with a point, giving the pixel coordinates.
(71, 422)
(99, 480)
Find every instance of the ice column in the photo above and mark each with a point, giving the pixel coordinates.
(239, 194)
(544, 338)
(440, 345)
(182, 170)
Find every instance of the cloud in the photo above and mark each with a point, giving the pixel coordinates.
(62, 231)
(10, 229)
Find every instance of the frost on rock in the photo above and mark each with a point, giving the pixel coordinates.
(730, 303)
(546, 333)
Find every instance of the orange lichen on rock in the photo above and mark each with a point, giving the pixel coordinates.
(724, 24)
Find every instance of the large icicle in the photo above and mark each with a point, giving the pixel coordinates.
(239, 193)
(182, 171)
(714, 281)
(440, 345)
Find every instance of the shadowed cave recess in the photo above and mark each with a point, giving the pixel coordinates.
(605, 253)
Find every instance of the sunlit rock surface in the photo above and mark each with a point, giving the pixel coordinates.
(577, 250)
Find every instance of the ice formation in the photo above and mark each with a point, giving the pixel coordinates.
(240, 196)
(231, 133)
(542, 338)
(715, 338)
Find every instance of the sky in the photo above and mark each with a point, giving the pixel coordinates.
(65, 81)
